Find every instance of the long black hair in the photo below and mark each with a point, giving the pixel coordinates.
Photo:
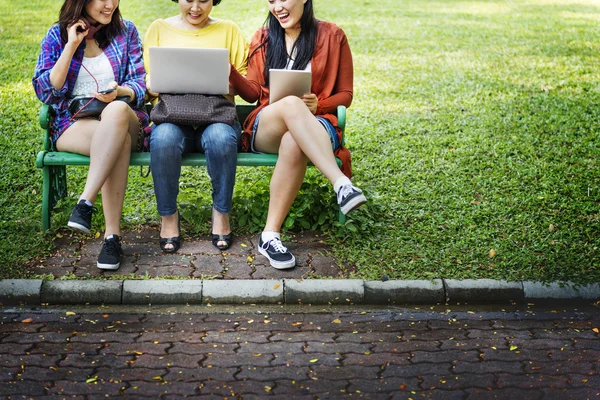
(72, 10)
(304, 47)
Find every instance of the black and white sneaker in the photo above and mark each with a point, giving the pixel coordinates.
(81, 217)
(110, 255)
(349, 197)
(278, 255)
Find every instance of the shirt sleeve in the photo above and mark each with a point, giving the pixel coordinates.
(239, 50)
(51, 49)
(250, 88)
(150, 40)
(344, 86)
(135, 77)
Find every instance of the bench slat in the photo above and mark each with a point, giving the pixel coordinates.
(190, 160)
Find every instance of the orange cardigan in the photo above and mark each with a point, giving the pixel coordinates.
(332, 81)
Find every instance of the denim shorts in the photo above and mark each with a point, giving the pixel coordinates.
(333, 136)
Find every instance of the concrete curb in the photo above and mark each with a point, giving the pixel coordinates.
(560, 291)
(289, 291)
(489, 290)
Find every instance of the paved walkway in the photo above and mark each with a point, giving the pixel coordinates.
(299, 353)
(76, 254)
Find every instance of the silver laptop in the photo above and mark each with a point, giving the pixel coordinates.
(189, 70)
(285, 82)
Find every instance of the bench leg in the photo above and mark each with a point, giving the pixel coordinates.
(46, 207)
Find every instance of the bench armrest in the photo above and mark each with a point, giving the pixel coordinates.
(45, 118)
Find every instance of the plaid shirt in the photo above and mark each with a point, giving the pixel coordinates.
(125, 56)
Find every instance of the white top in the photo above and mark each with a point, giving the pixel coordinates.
(290, 64)
(100, 68)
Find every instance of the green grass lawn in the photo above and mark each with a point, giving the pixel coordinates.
(474, 134)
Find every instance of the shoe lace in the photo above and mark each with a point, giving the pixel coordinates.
(345, 191)
(112, 247)
(84, 209)
(277, 245)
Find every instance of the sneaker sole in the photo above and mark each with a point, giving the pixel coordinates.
(354, 204)
(110, 267)
(278, 264)
(78, 227)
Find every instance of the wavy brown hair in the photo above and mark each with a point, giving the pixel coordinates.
(73, 10)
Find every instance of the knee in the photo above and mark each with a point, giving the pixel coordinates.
(164, 137)
(292, 105)
(220, 138)
(117, 111)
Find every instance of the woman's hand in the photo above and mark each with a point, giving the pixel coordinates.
(110, 96)
(76, 36)
(149, 91)
(311, 102)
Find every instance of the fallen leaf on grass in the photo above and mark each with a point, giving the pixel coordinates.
(595, 330)
(27, 320)
(513, 348)
(336, 321)
(91, 380)
(70, 313)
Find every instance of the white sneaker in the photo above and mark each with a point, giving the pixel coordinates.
(278, 255)
(349, 197)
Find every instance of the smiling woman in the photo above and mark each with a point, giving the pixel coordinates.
(91, 52)
(193, 27)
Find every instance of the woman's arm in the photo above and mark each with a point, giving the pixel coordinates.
(52, 68)
(134, 84)
(150, 40)
(245, 88)
(250, 88)
(344, 84)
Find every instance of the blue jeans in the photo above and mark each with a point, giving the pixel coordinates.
(168, 142)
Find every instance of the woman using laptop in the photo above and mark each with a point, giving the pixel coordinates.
(298, 129)
(94, 54)
(193, 27)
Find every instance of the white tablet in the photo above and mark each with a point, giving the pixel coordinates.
(286, 82)
(189, 70)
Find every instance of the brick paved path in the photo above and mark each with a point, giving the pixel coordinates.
(75, 256)
(89, 353)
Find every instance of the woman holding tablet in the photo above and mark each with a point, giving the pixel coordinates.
(298, 129)
(193, 27)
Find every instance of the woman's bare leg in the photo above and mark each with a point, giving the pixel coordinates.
(108, 143)
(291, 115)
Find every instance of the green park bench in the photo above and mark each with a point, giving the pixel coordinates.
(53, 163)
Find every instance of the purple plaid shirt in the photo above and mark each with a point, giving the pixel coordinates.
(125, 55)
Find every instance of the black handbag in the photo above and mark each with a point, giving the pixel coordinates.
(193, 110)
(85, 107)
